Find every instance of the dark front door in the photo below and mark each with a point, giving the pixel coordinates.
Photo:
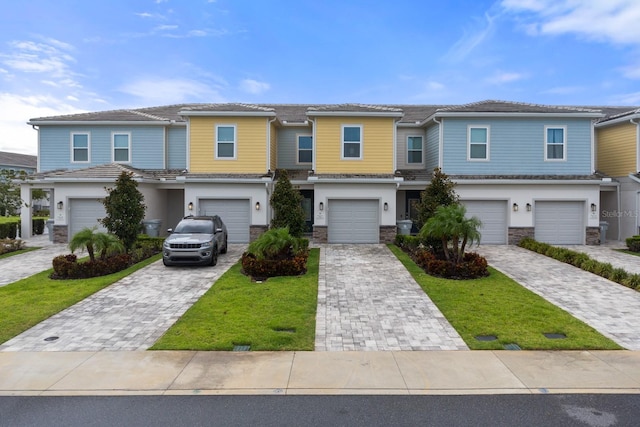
(411, 208)
(307, 206)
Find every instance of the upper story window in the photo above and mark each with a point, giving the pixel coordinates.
(305, 149)
(80, 147)
(122, 147)
(351, 142)
(225, 142)
(478, 142)
(555, 143)
(414, 149)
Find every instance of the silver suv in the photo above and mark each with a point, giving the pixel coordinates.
(196, 240)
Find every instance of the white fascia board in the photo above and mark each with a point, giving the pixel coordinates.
(96, 180)
(624, 119)
(104, 123)
(353, 180)
(298, 124)
(529, 181)
(354, 114)
(226, 180)
(228, 113)
(634, 178)
(498, 114)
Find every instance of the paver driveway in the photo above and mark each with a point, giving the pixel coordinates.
(610, 308)
(131, 314)
(18, 267)
(367, 300)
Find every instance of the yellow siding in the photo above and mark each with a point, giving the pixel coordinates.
(617, 149)
(251, 145)
(273, 164)
(377, 145)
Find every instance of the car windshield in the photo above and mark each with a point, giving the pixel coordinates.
(195, 227)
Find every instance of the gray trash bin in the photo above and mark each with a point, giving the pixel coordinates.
(49, 225)
(152, 227)
(604, 226)
(404, 226)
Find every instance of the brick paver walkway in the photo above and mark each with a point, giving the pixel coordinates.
(18, 267)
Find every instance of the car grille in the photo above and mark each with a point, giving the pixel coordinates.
(185, 245)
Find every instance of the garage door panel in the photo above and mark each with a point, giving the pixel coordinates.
(235, 214)
(559, 222)
(353, 221)
(493, 215)
(85, 213)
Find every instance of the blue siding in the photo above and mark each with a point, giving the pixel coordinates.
(288, 147)
(177, 148)
(433, 147)
(147, 146)
(517, 147)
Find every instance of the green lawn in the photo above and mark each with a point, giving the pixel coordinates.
(627, 251)
(29, 301)
(278, 314)
(497, 305)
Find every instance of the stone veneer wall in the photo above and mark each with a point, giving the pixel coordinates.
(516, 234)
(593, 236)
(60, 234)
(320, 233)
(388, 233)
(256, 230)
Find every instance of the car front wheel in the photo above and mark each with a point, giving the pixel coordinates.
(226, 246)
(214, 256)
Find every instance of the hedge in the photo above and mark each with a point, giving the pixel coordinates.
(9, 230)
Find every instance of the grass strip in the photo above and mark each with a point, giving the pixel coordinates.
(18, 252)
(278, 314)
(497, 305)
(29, 301)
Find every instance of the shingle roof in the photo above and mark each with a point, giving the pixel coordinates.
(18, 160)
(422, 175)
(492, 106)
(110, 171)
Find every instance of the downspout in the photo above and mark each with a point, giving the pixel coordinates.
(593, 146)
(188, 160)
(313, 144)
(637, 145)
(267, 185)
(395, 144)
(269, 121)
(440, 142)
(37, 129)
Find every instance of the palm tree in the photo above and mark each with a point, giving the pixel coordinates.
(108, 244)
(95, 241)
(450, 224)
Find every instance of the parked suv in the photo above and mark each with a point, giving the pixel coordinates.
(195, 240)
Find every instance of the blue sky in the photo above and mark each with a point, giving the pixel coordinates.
(67, 56)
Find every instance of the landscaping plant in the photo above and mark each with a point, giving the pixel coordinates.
(125, 210)
(276, 253)
(287, 206)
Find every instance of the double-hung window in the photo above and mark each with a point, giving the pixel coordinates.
(352, 142)
(305, 149)
(80, 147)
(555, 143)
(414, 149)
(121, 147)
(478, 142)
(225, 142)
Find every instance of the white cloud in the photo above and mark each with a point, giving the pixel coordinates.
(159, 91)
(631, 71)
(614, 21)
(432, 85)
(632, 98)
(564, 90)
(504, 77)
(254, 87)
(471, 39)
(16, 135)
(166, 27)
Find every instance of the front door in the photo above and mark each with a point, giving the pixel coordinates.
(413, 199)
(307, 206)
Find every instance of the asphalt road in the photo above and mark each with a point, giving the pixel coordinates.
(494, 410)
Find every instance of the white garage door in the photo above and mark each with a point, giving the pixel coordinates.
(559, 223)
(85, 213)
(353, 221)
(235, 214)
(493, 214)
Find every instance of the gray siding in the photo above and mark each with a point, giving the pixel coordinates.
(517, 146)
(288, 147)
(401, 153)
(433, 147)
(177, 148)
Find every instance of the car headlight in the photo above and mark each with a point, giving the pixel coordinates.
(205, 245)
(166, 245)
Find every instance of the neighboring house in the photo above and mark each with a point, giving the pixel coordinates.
(523, 169)
(18, 162)
(618, 156)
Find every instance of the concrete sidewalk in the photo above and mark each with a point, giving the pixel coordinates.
(289, 373)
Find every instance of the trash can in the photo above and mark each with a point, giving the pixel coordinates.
(152, 227)
(49, 225)
(604, 226)
(404, 226)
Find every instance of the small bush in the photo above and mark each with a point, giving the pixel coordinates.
(589, 265)
(633, 243)
(603, 269)
(264, 268)
(579, 259)
(38, 226)
(472, 267)
(632, 281)
(618, 275)
(9, 230)
(10, 245)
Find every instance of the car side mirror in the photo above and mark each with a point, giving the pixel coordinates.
(218, 230)
(169, 230)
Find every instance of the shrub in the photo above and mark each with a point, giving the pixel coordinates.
(264, 268)
(9, 229)
(473, 265)
(68, 267)
(618, 275)
(407, 243)
(633, 243)
(10, 245)
(632, 281)
(38, 225)
(589, 265)
(276, 253)
(65, 266)
(603, 269)
(579, 259)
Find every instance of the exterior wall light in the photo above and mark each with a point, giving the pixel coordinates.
(594, 208)
(60, 205)
(386, 206)
(515, 207)
(190, 206)
(321, 206)
(528, 207)
(257, 206)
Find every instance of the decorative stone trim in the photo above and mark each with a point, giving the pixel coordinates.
(60, 234)
(516, 234)
(593, 236)
(388, 233)
(320, 234)
(256, 230)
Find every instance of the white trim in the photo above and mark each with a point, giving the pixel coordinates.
(129, 147)
(342, 141)
(487, 144)
(188, 142)
(564, 143)
(88, 134)
(104, 123)
(298, 136)
(234, 142)
(422, 150)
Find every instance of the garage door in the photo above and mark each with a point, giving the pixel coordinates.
(235, 214)
(559, 222)
(84, 213)
(493, 214)
(353, 221)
